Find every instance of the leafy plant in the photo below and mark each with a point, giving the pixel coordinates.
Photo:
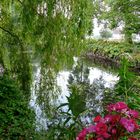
(120, 122)
(72, 122)
(126, 87)
(105, 33)
(126, 79)
(16, 118)
(76, 94)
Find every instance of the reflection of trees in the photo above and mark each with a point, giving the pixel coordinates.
(85, 100)
(78, 82)
(90, 95)
(47, 91)
(79, 74)
(95, 95)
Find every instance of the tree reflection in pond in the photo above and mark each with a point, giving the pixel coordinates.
(81, 91)
(90, 88)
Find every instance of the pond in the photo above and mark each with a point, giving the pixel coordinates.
(69, 92)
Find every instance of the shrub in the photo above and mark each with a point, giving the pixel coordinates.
(16, 119)
(120, 122)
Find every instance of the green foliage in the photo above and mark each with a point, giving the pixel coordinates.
(54, 34)
(16, 118)
(126, 79)
(51, 26)
(127, 88)
(114, 50)
(105, 33)
(52, 30)
(121, 12)
(70, 112)
(77, 93)
(76, 106)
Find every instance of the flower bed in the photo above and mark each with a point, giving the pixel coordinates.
(120, 122)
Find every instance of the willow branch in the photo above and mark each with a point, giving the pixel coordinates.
(35, 10)
(19, 1)
(11, 34)
(7, 31)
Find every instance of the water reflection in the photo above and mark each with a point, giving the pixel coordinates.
(62, 82)
(40, 117)
(82, 88)
(109, 78)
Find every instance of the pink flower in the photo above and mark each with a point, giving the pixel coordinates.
(114, 125)
(115, 119)
(111, 108)
(112, 118)
(113, 131)
(120, 106)
(108, 118)
(101, 128)
(129, 125)
(97, 118)
(90, 129)
(100, 138)
(106, 135)
(133, 113)
(82, 135)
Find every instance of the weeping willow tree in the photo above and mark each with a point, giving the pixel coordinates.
(52, 30)
(46, 24)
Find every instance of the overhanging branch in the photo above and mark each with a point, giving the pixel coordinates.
(11, 34)
(19, 1)
(7, 31)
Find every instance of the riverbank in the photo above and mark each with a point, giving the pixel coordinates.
(111, 52)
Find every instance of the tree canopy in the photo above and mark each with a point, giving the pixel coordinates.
(124, 13)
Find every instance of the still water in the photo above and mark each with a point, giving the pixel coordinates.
(83, 84)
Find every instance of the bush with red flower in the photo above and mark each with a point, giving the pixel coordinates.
(120, 122)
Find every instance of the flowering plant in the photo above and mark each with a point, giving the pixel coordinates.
(120, 122)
